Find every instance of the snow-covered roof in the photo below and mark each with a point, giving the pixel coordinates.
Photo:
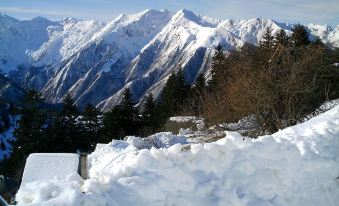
(49, 166)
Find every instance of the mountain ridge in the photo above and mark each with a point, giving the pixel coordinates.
(96, 61)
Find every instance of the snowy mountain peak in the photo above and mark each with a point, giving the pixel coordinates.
(186, 15)
(140, 51)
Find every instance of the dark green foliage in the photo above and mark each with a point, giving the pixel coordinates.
(317, 42)
(266, 48)
(68, 107)
(112, 129)
(123, 119)
(199, 86)
(148, 113)
(197, 93)
(173, 96)
(267, 42)
(129, 118)
(31, 134)
(31, 130)
(218, 68)
(300, 36)
(281, 38)
(65, 129)
(91, 128)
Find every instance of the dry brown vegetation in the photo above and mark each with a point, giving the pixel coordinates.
(280, 85)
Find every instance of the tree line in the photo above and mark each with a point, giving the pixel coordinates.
(68, 129)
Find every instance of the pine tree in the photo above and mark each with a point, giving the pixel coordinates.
(31, 135)
(196, 95)
(218, 67)
(129, 115)
(266, 46)
(123, 119)
(173, 96)
(317, 42)
(66, 129)
(200, 85)
(300, 36)
(112, 128)
(281, 38)
(91, 127)
(68, 107)
(148, 113)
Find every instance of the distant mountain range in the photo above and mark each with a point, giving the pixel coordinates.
(96, 61)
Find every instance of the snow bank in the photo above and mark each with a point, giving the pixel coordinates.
(296, 166)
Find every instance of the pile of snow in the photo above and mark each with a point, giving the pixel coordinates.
(245, 124)
(295, 166)
(199, 122)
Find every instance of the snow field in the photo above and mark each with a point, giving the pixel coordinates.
(295, 166)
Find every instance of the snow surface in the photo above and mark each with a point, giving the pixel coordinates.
(49, 166)
(295, 166)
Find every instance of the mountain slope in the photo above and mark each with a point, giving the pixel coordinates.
(95, 61)
(10, 91)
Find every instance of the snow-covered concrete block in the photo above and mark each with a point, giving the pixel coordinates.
(48, 166)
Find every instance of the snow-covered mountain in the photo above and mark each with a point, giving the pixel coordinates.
(95, 61)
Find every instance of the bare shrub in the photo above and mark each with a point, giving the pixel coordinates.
(280, 90)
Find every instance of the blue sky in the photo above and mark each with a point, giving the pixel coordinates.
(293, 11)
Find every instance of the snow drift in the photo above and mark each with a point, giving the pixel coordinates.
(295, 166)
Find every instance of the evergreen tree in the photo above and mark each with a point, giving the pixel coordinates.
(148, 114)
(266, 46)
(66, 128)
(112, 128)
(300, 36)
(317, 42)
(281, 38)
(200, 85)
(197, 94)
(129, 115)
(68, 107)
(91, 127)
(31, 135)
(123, 119)
(218, 63)
(173, 96)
